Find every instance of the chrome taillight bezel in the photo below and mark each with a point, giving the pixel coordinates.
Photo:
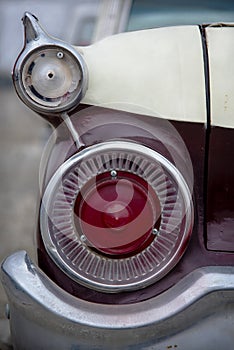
(181, 204)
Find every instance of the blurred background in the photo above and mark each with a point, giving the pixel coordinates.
(23, 134)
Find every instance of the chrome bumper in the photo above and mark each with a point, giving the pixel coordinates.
(197, 313)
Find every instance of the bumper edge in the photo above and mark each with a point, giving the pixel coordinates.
(41, 310)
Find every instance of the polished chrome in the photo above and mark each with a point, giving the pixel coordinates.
(7, 311)
(84, 264)
(196, 313)
(73, 131)
(50, 76)
(155, 231)
(113, 173)
(60, 55)
(83, 238)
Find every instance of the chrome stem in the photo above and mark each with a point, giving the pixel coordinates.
(72, 130)
(32, 29)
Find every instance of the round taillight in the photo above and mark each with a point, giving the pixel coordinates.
(117, 212)
(116, 216)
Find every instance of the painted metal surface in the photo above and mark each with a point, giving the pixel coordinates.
(158, 72)
(220, 44)
(220, 190)
(187, 316)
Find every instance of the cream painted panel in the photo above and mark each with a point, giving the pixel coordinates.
(220, 42)
(159, 72)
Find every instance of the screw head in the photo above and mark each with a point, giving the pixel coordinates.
(83, 238)
(155, 231)
(60, 55)
(113, 173)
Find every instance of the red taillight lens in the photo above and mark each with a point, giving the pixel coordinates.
(116, 216)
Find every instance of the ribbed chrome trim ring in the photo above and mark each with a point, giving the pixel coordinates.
(76, 258)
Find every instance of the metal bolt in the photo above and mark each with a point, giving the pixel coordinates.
(60, 55)
(155, 231)
(83, 238)
(113, 173)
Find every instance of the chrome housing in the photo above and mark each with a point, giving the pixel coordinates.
(50, 76)
(72, 251)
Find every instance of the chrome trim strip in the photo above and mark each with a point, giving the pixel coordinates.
(41, 308)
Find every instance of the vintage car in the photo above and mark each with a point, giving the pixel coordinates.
(135, 239)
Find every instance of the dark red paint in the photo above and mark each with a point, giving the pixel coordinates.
(220, 199)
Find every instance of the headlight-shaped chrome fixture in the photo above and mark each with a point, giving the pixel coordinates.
(50, 76)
